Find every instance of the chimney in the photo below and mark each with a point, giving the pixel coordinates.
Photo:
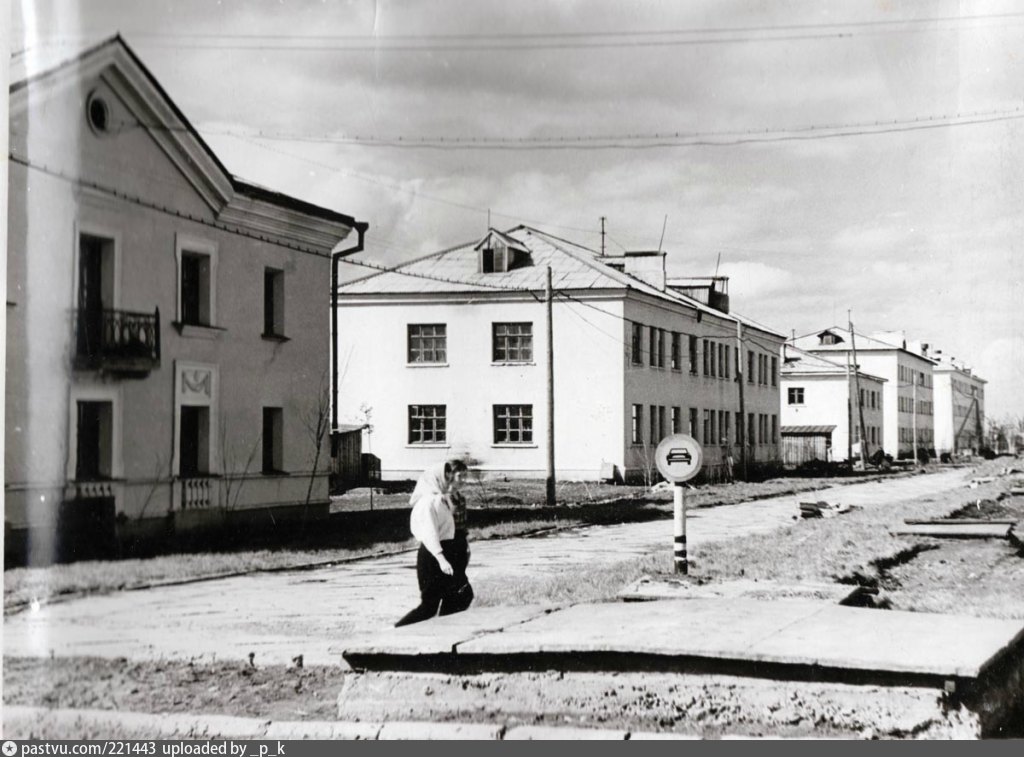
(648, 266)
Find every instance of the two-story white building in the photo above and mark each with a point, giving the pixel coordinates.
(959, 407)
(446, 357)
(818, 420)
(909, 406)
(167, 336)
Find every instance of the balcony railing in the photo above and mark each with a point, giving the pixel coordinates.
(118, 340)
(198, 493)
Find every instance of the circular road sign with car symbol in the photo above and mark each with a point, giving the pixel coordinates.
(679, 457)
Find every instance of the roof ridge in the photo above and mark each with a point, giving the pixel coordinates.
(395, 269)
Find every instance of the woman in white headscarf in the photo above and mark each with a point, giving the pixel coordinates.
(441, 559)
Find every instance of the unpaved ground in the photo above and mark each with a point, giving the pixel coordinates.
(708, 706)
(703, 705)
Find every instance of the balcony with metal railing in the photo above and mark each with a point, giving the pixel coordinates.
(119, 341)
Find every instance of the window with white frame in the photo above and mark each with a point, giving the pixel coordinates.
(428, 424)
(513, 424)
(197, 281)
(795, 395)
(512, 342)
(427, 343)
(637, 419)
(637, 344)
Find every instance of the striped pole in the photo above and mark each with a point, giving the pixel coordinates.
(679, 502)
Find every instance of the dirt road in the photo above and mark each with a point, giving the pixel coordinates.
(278, 616)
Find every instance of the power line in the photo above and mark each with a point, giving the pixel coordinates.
(561, 35)
(568, 41)
(398, 187)
(399, 269)
(154, 206)
(652, 140)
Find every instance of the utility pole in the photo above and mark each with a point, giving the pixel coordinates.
(602, 236)
(742, 424)
(550, 488)
(913, 409)
(849, 415)
(860, 403)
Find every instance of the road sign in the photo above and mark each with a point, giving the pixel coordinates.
(679, 457)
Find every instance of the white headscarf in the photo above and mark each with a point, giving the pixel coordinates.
(431, 483)
(431, 519)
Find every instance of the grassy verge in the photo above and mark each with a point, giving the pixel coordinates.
(852, 548)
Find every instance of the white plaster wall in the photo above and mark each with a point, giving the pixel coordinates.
(647, 385)
(372, 350)
(825, 403)
(44, 217)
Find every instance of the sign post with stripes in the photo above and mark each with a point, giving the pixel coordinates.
(679, 458)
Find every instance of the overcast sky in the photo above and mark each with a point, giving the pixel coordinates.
(915, 229)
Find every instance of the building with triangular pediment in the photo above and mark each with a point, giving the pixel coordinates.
(167, 338)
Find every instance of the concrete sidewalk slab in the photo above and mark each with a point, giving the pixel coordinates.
(650, 589)
(787, 639)
(954, 530)
(442, 634)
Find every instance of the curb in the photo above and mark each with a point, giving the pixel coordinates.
(25, 722)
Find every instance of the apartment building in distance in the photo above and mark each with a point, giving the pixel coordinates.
(448, 354)
(959, 407)
(908, 401)
(819, 422)
(167, 329)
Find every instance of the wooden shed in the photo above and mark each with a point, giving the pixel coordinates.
(801, 444)
(346, 458)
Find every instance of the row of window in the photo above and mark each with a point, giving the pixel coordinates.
(716, 359)
(512, 424)
(968, 390)
(924, 407)
(868, 398)
(962, 411)
(510, 342)
(874, 433)
(910, 375)
(94, 442)
(197, 285)
(709, 427)
(924, 435)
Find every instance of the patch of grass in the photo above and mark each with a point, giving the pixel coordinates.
(851, 548)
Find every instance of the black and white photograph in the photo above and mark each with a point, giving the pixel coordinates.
(492, 371)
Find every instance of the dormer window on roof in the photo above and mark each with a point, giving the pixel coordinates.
(500, 253)
(829, 337)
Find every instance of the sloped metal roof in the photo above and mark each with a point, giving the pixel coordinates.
(807, 430)
(573, 267)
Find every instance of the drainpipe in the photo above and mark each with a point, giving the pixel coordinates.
(335, 261)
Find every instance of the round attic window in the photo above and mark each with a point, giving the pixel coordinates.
(98, 114)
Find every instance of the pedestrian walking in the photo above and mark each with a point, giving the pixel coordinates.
(444, 553)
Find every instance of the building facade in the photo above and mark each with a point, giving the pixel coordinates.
(446, 356)
(816, 406)
(909, 405)
(959, 408)
(167, 326)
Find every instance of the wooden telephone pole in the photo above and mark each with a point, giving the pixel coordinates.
(742, 423)
(550, 484)
(860, 402)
